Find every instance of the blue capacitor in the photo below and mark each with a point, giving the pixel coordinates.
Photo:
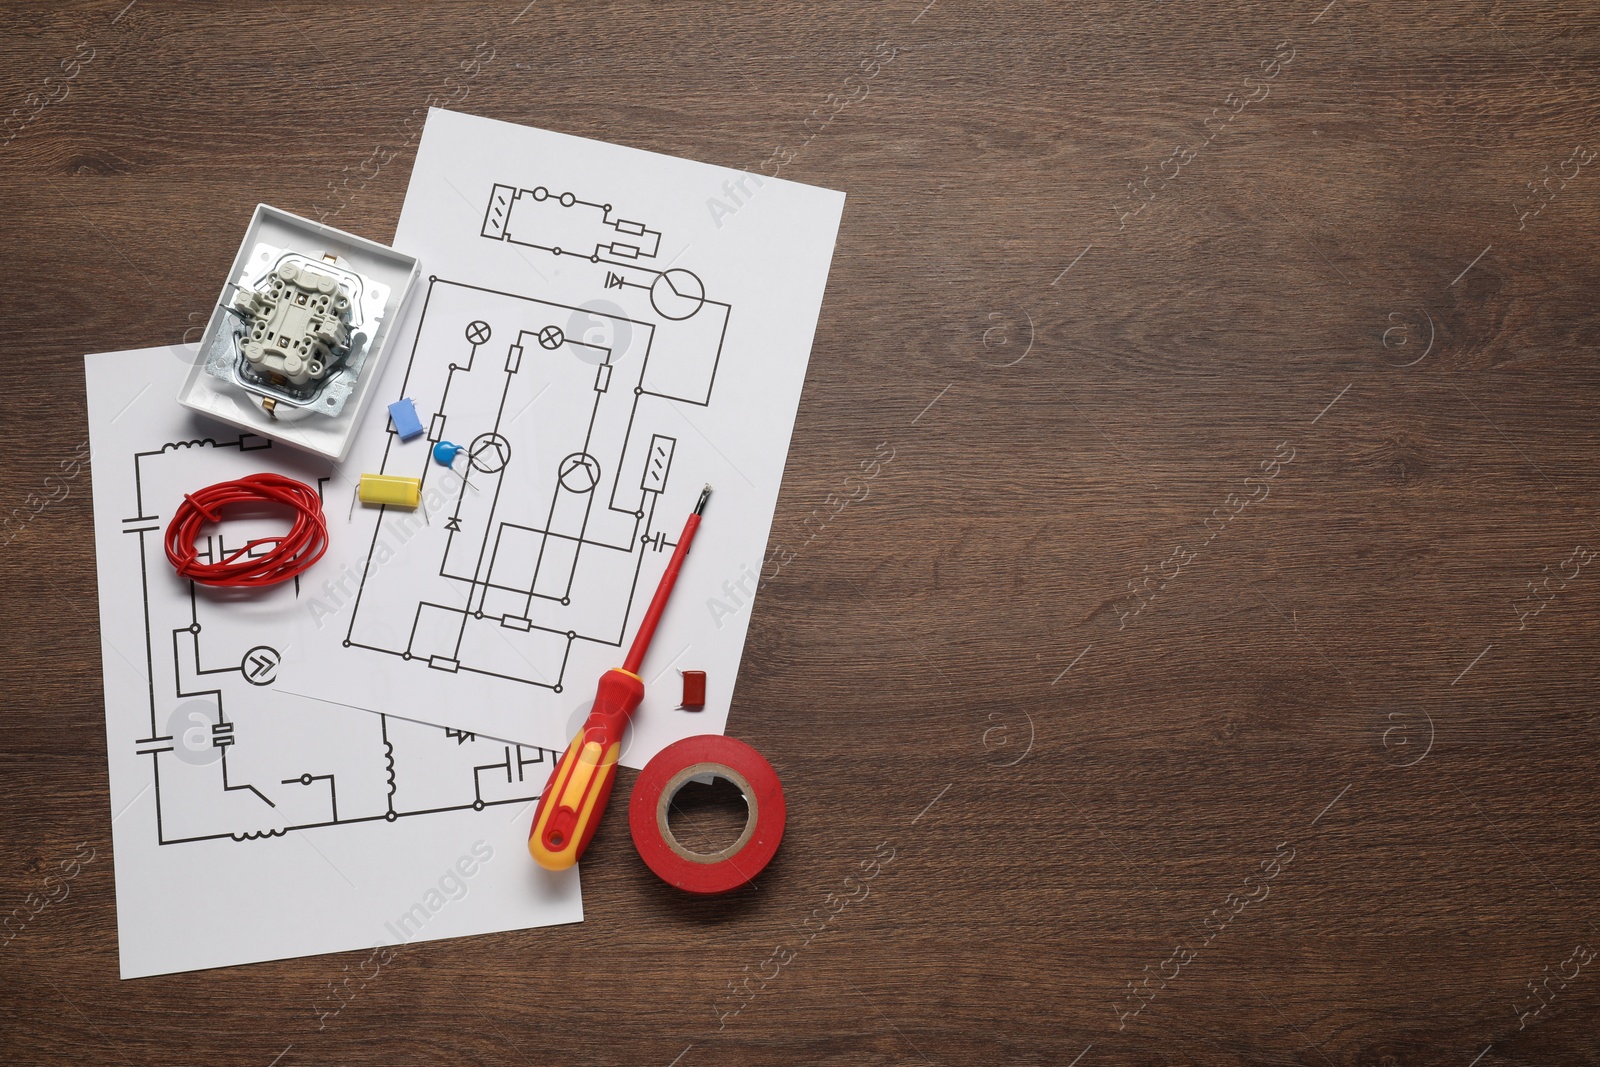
(404, 415)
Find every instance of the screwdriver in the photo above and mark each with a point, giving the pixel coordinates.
(575, 798)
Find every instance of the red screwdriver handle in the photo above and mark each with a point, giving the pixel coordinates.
(569, 810)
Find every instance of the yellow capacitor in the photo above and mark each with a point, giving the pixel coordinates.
(390, 489)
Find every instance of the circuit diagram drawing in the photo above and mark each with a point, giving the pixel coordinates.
(571, 409)
(229, 757)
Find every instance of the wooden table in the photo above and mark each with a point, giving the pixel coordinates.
(1180, 321)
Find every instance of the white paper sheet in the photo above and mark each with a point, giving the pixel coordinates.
(247, 824)
(605, 330)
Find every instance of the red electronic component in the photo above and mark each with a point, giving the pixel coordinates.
(292, 553)
(694, 690)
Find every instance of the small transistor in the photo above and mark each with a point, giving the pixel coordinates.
(694, 690)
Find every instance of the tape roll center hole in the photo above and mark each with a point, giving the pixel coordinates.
(708, 815)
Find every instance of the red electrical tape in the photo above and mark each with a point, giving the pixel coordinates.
(290, 553)
(669, 771)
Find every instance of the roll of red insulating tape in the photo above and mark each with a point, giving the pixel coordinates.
(682, 762)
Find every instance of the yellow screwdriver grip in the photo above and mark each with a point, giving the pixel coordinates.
(570, 809)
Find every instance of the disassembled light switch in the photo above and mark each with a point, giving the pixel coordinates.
(298, 336)
(296, 331)
(304, 332)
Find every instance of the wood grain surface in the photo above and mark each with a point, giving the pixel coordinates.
(1215, 657)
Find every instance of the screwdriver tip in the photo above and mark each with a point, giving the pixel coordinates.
(705, 494)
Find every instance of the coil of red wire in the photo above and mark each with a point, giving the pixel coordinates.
(292, 553)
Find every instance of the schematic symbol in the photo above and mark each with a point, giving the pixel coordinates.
(489, 453)
(260, 665)
(579, 473)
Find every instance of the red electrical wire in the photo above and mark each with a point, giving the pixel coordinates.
(302, 546)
